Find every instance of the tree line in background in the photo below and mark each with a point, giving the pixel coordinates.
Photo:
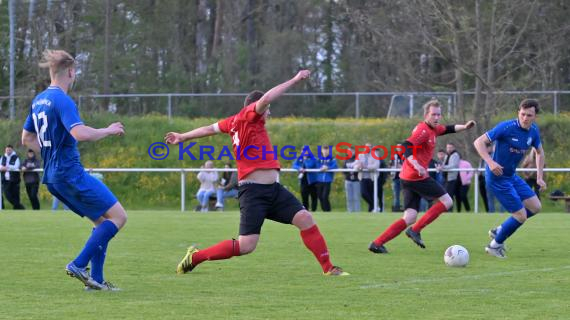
(209, 46)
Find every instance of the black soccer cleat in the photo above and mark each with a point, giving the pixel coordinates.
(377, 249)
(416, 237)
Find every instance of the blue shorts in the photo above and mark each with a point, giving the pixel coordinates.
(84, 195)
(510, 191)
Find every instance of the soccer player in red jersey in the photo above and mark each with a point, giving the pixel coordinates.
(260, 195)
(416, 182)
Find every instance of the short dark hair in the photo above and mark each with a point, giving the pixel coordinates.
(530, 103)
(441, 150)
(252, 97)
(9, 146)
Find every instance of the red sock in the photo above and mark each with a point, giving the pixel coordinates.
(393, 230)
(223, 250)
(315, 242)
(435, 211)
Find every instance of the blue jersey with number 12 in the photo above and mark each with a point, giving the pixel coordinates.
(52, 116)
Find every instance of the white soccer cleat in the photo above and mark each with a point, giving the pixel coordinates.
(498, 251)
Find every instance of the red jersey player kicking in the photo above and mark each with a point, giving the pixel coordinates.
(260, 195)
(416, 182)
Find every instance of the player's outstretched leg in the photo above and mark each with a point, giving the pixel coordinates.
(223, 250)
(315, 242)
(445, 202)
(377, 246)
(496, 247)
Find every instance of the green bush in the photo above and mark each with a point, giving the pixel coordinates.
(162, 190)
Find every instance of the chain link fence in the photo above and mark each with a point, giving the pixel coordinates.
(318, 105)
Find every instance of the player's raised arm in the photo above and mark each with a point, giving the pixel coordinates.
(539, 168)
(205, 131)
(85, 133)
(480, 145)
(468, 125)
(276, 92)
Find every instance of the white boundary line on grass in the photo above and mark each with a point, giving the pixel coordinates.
(465, 277)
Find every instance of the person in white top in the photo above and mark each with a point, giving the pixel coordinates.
(367, 164)
(208, 182)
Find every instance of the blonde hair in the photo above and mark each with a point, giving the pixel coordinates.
(432, 103)
(56, 61)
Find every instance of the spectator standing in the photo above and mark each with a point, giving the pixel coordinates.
(381, 177)
(10, 172)
(440, 162)
(32, 178)
(482, 183)
(465, 182)
(325, 162)
(451, 162)
(367, 166)
(351, 185)
(307, 179)
(396, 164)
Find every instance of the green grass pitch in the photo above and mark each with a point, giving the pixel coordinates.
(281, 279)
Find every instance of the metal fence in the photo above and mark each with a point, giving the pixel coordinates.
(309, 104)
(184, 171)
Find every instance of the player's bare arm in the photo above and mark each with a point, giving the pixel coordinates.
(270, 96)
(468, 125)
(86, 133)
(205, 131)
(30, 140)
(539, 168)
(481, 147)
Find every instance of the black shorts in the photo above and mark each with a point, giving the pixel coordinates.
(414, 191)
(260, 201)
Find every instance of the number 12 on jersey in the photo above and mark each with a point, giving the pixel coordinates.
(41, 130)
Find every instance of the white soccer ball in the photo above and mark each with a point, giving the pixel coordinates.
(456, 256)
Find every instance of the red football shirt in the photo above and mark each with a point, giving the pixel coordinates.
(424, 137)
(251, 144)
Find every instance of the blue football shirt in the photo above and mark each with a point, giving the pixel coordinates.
(52, 116)
(511, 144)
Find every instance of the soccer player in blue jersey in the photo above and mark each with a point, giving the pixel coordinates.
(53, 128)
(512, 140)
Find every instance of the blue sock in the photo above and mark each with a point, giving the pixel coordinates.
(507, 229)
(98, 240)
(529, 213)
(98, 261)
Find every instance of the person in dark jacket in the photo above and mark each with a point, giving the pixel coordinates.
(325, 162)
(307, 180)
(351, 185)
(9, 170)
(32, 178)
